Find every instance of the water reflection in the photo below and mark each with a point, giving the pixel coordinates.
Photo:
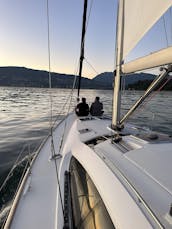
(25, 121)
(25, 114)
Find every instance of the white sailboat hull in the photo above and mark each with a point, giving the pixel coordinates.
(127, 176)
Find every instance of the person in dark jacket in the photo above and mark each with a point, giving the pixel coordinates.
(96, 108)
(82, 109)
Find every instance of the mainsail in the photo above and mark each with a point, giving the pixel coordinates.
(139, 16)
(135, 18)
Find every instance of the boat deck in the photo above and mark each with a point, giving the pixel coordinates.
(131, 175)
(142, 162)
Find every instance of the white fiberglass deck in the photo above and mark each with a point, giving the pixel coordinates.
(131, 177)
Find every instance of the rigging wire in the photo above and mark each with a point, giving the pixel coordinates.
(77, 68)
(165, 30)
(89, 14)
(152, 95)
(170, 21)
(68, 99)
(62, 140)
(88, 19)
(74, 83)
(158, 90)
(65, 124)
(50, 93)
(49, 65)
(123, 83)
(86, 60)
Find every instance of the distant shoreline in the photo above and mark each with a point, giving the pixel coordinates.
(25, 77)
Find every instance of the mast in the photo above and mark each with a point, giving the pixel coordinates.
(82, 45)
(117, 73)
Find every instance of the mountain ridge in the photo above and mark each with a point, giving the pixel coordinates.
(26, 77)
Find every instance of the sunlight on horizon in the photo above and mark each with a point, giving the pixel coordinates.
(23, 40)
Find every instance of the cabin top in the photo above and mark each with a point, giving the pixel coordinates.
(140, 162)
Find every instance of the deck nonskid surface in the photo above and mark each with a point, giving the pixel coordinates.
(37, 205)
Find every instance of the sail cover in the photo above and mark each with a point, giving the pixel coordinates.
(138, 17)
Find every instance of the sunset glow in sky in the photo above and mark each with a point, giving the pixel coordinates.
(23, 40)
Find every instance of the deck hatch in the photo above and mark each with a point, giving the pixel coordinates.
(84, 131)
(93, 142)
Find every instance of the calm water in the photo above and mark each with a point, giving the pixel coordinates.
(25, 112)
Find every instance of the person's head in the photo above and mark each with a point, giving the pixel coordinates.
(84, 100)
(97, 98)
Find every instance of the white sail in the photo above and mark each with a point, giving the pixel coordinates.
(153, 60)
(139, 16)
(135, 18)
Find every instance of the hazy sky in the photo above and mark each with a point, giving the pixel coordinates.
(23, 39)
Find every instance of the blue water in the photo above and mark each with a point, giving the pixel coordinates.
(25, 119)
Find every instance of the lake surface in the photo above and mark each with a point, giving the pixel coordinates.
(25, 117)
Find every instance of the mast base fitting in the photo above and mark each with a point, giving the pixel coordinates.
(118, 127)
(116, 139)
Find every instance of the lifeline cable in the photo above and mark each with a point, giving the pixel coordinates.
(19, 184)
(12, 169)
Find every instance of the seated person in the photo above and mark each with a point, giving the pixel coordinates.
(82, 109)
(96, 108)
